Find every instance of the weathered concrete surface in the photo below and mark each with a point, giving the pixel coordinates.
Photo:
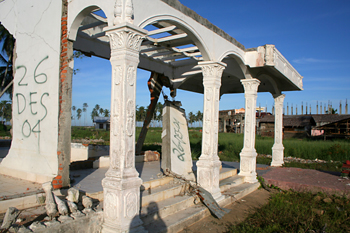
(176, 149)
(307, 180)
(36, 28)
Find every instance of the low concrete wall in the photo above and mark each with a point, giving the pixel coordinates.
(82, 152)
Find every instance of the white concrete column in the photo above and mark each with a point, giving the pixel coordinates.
(248, 153)
(278, 149)
(121, 186)
(208, 165)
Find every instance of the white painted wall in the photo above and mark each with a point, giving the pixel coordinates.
(36, 25)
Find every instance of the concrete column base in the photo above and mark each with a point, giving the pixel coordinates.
(121, 205)
(248, 166)
(208, 177)
(277, 156)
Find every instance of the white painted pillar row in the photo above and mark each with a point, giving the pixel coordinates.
(121, 186)
(208, 165)
(248, 153)
(278, 149)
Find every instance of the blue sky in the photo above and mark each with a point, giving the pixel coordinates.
(313, 35)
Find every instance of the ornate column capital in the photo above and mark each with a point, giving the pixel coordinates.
(125, 36)
(212, 71)
(250, 85)
(279, 98)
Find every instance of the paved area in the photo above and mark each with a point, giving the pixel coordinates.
(307, 180)
(89, 180)
(11, 188)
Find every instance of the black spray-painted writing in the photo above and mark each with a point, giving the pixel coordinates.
(32, 102)
(178, 150)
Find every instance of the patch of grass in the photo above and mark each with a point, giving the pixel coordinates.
(80, 132)
(299, 212)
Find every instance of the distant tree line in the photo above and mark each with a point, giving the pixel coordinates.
(198, 117)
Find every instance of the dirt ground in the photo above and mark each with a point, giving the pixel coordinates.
(239, 211)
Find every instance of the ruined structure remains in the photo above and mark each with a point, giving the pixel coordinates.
(162, 36)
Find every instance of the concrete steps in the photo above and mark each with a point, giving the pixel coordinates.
(164, 210)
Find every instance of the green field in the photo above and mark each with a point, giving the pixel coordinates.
(230, 145)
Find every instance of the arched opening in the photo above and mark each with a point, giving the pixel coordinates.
(7, 47)
(91, 87)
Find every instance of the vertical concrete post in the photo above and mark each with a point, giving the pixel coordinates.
(317, 107)
(224, 130)
(121, 186)
(302, 108)
(296, 109)
(65, 104)
(208, 165)
(346, 106)
(248, 153)
(278, 149)
(340, 108)
(291, 110)
(287, 109)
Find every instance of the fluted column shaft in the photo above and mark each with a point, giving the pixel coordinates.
(278, 149)
(208, 166)
(248, 153)
(121, 186)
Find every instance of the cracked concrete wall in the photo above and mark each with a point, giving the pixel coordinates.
(36, 26)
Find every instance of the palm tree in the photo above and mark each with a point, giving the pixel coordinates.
(94, 114)
(141, 113)
(73, 109)
(5, 108)
(191, 117)
(106, 113)
(101, 111)
(97, 107)
(199, 116)
(79, 113)
(85, 105)
(6, 74)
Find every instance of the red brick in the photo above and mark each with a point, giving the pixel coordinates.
(54, 182)
(58, 186)
(59, 152)
(58, 177)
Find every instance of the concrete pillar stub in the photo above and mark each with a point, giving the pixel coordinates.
(278, 149)
(248, 153)
(121, 186)
(208, 165)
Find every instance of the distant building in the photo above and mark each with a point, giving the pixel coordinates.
(102, 123)
(300, 126)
